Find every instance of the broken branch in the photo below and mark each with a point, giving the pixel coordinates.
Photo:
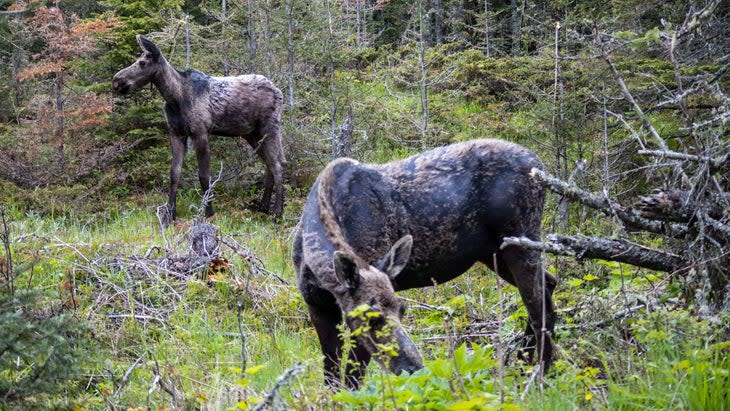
(627, 215)
(619, 250)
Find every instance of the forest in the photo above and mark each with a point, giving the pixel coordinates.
(107, 304)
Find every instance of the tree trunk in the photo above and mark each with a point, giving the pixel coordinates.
(342, 145)
(331, 68)
(359, 35)
(516, 27)
(251, 29)
(424, 76)
(436, 20)
(486, 29)
(224, 32)
(60, 120)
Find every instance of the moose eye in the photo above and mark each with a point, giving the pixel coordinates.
(142, 63)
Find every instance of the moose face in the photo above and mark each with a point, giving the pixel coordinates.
(373, 311)
(142, 71)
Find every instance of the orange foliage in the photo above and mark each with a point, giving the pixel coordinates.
(64, 41)
(91, 111)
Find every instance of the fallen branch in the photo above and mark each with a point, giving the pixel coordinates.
(676, 205)
(634, 105)
(271, 396)
(125, 378)
(715, 162)
(618, 316)
(619, 250)
(170, 387)
(602, 203)
(525, 242)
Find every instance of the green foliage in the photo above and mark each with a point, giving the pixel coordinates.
(684, 366)
(464, 382)
(42, 352)
(70, 230)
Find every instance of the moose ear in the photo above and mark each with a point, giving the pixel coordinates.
(149, 46)
(346, 271)
(397, 258)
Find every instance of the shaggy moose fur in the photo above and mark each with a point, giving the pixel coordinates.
(198, 105)
(444, 210)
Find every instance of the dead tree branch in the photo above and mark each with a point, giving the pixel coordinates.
(634, 105)
(616, 317)
(269, 402)
(619, 250)
(715, 162)
(677, 205)
(627, 215)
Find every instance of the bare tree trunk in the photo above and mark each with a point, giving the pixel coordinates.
(331, 66)
(187, 42)
(268, 57)
(60, 121)
(290, 57)
(251, 29)
(224, 32)
(437, 19)
(424, 75)
(458, 20)
(359, 41)
(343, 137)
(560, 145)
(16, 66)
(516, 27)
(486, 28)
(290, 76)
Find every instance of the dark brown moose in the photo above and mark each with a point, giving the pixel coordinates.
(198, 105)
(370, 230)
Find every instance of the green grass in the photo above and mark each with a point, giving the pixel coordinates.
(668, 360)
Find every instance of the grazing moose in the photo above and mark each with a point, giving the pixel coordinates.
(370, 230)
(197, 105)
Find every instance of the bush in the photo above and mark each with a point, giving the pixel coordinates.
(41, 352)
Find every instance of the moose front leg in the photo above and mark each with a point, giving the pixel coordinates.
(325, 321)
(177, 144)
(202, 152)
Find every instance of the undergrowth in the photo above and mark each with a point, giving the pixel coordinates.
(115, 336)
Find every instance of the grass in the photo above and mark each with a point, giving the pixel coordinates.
(668, 360)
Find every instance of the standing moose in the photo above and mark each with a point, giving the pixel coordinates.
(367, 231)
(198, 105)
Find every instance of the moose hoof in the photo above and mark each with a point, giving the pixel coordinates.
(526, 353)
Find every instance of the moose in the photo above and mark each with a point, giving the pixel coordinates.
(367, 231)
(198, 105)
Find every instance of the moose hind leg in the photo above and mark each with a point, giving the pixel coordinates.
(503, 271)
(536, 287)
(272, 154)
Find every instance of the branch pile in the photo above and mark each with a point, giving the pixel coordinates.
(149, 287)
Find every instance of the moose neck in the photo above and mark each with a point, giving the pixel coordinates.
(170, 84)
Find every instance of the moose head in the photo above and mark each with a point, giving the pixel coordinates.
(142, 71)
(373, 311)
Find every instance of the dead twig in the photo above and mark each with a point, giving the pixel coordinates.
(270, 400)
